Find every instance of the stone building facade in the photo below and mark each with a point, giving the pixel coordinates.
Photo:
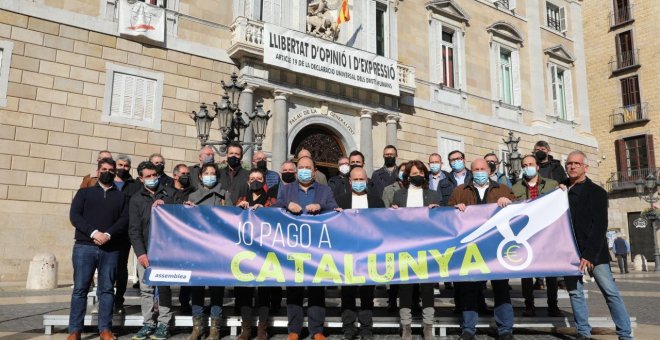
(467, 73)
(622, 68)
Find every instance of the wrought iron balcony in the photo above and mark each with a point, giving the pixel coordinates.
(620, 16)
(247, 40)
(630, 114)
(625, 180)
(625, 60)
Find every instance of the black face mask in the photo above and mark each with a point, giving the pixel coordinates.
(390, 161)
(184, 180)
(261, 165)
(256, 186)
(106, 178)
(123, 174)
(541, 155)
(233, 162)
(288, 177)
(160, 169)
(417, 181)
(492, 166)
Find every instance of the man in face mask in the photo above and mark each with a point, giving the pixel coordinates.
(306, 197)
(91, 179)
(339, 183)
(206, 155)
(459, 173)
(159, 161)
(493, 164)
(234, 177)
(548, 166)
(319, 176)
(259, 161)
(387, 175)
(152, 194)
(531, 187)
(481, 190)
(438, 178)
(360, 197)
(182, 180)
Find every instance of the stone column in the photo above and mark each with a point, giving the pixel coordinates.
(392, 125)
(280, 129)
(366, 139)
(246, 105)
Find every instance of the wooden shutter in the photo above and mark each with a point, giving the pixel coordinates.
(568, 94)
(562, 20)
(620, 151)
(515, 75)
(435, 42)
(495, 51)
(117, 94)
(650, 152)
(127, 104)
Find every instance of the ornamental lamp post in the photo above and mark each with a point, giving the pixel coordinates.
(231, 123)
(646, 190)
(514, 163)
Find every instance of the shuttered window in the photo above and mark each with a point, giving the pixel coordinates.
(630, 92)
(635, 155)
(133, 97)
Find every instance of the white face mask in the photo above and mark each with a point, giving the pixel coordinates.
(344, 169)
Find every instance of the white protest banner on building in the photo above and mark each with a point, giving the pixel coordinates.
(306, 54)
(139, 19)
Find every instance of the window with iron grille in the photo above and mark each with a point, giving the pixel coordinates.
(635, 155)
(625, 49)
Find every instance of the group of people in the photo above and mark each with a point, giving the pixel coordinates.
(111, 212)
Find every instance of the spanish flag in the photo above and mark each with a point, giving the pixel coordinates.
(344, 14)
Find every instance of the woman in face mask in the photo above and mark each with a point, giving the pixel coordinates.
(210, 194)
(416, 193)
(257, 197)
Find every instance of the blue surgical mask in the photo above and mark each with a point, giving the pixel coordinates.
(458, 165)
(151, 183)
(304, 175)
(401, 176)
(209, 181)
(529, 172)
(480, 177)
(434, 167)
(359, 186)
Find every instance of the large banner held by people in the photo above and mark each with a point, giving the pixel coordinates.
(304, 53)
(226, 246)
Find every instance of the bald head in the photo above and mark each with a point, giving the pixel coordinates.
(304, 153)
(479, 164)
(358, 174)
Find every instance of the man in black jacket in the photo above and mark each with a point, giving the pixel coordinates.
(548, 166)
(152, 194)
(388, 173)
(339, 183)
(358, 198)
(100, 216)
(588, 205)
(234, 178)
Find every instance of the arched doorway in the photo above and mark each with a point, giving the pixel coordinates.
(325, 146)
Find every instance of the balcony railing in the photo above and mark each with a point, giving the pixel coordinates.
(247, 40)
(629, 115)
(622, 15)
(625, 180)
(625, 60)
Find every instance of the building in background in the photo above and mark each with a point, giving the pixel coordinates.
(622, 65)
(451, 75)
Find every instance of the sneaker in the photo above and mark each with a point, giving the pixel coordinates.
(318, 336)
(292, 336)
(144, 332)
(162, 332)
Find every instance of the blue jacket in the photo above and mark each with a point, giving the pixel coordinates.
(323, 196)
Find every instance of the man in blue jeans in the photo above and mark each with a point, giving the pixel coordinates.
(100, 216)
(588, 204)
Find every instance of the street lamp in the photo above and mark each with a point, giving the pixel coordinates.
(514, 162)
(231, 123)
(642, 186)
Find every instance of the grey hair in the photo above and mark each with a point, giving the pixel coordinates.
(578, 152)
(205, 147)
(124, 157)
(177, 168)
(289, 162)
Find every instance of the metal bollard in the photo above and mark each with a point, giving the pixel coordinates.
(42, 273)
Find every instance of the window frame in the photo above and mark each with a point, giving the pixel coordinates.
(560, 22)
(6, 51)
(384, 9)
(566, 89)
(630, 94)
(111, 69)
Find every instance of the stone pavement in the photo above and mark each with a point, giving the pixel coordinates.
(21, 313)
